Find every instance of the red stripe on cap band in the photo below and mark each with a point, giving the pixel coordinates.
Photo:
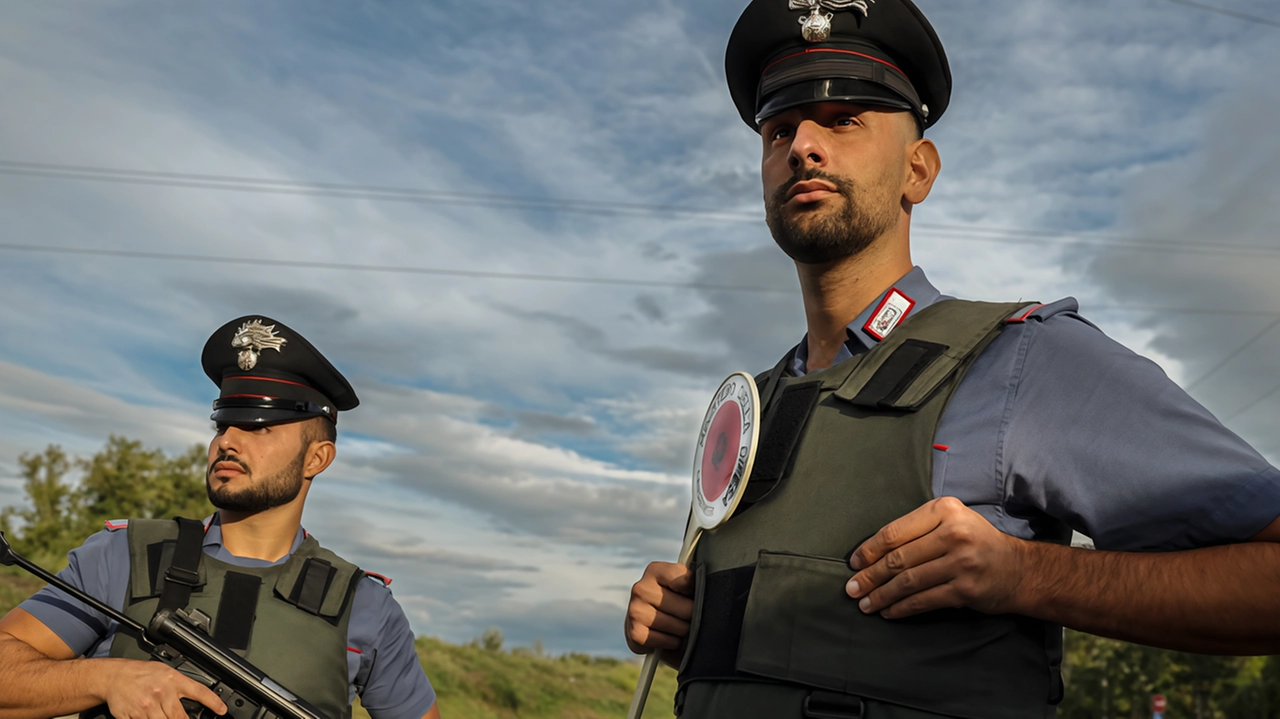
(255, 396)
(831, 49)
(272, 379)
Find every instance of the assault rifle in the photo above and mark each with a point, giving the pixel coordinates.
(181, 640)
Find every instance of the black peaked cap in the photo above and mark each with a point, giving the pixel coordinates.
(874, 52)
(270, 374)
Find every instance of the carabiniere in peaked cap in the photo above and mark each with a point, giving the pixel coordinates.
(785, 53)
(269, 374)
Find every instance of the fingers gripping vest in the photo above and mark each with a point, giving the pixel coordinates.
(844, 451)
(289, 620)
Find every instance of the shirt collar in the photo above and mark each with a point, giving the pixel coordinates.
(213, 544)
(914, 287)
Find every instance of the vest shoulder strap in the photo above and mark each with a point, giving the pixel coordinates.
(182, 575)
(904, 370)
(153, 544)
(318, 581)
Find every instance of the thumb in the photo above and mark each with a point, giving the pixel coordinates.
(680, 579)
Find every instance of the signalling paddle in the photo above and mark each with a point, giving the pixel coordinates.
(721, 466)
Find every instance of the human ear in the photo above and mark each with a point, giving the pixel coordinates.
(923, 166)
(320, 455)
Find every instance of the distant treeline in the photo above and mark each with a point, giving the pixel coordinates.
(67, 499)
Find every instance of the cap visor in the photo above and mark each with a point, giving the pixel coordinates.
(860, 92)
(259, 416)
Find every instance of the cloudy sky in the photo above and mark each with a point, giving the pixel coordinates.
(531, 234)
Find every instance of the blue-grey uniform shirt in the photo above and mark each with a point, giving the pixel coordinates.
(1056, 425)
(392, 687)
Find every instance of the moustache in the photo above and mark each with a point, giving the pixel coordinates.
(226, 458)
(813, 173)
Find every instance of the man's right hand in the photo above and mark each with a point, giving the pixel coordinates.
(40, 676)
(661, 608)
(151, 690)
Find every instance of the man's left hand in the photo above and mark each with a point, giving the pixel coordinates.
(940, 555)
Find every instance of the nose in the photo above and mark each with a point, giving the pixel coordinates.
(229, 440)
(807, 149)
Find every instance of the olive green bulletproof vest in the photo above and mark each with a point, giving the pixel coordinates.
(843, 452)
(289, 620)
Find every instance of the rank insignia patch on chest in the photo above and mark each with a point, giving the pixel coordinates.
(251, 339)
(891, 312)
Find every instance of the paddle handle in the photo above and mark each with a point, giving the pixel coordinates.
(650, 666)
(647, 671)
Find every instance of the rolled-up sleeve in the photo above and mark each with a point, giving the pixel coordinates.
(99, 568)
(1100, 438)
(389, 675)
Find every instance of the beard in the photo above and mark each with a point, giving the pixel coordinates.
(816, 235)
(272, 491)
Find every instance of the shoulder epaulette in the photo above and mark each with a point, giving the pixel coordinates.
(1043, 312)
(386, 581)
(116, 524)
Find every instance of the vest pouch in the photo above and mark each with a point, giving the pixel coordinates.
(801, 627)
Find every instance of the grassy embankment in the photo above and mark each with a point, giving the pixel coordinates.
(477, 683)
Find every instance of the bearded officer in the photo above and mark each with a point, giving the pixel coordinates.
(312, 621)
(900, 550)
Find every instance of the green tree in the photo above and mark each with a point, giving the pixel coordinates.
(181, 486)
(44, 525)
(123, 479)
(119, 481)
(1109, 679)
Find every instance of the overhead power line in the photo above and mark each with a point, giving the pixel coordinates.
(1236, 353)
(968, 233)
(533, 277)
(1229, 13)
(1259, 400)
(361, 192)
(393, 269)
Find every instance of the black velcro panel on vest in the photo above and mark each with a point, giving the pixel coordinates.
(312, 585)
(182, 575)
(237, 608)
(780, 438)
(897, 373)
(724, 604)
(159, 557)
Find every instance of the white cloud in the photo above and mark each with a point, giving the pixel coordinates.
(512, 425)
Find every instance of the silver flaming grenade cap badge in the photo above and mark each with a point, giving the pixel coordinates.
(251, 339)
(816, 26)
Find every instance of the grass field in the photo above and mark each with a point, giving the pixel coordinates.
(477, 683)
(473, 682)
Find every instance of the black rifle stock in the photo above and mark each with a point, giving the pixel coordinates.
(177, 639)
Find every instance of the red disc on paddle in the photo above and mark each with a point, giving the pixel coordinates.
(725, 451)
(724, 439)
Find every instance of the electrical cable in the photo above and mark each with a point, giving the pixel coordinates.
(1229, 13)
(1254, 403)
(395, 269)
(535, 277)
(1239, 350)
(969, 233)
